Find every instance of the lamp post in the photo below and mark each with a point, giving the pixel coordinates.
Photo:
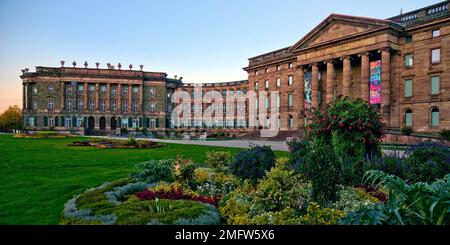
(74, 85)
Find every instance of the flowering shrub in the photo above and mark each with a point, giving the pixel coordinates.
(175, 193)
(352, 129)
(317, 215)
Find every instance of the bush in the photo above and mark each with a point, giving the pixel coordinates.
(407, 131)
(445, 134)
(153, 171)
(352, 199)
(218, 159)
(427, 162)
(183, 170)
(352, 129)
(299, 151)
(282, 188)
(317, 215)
(251, 164)
(202, 175)
(123, 131)
(320, 168)
(131, 141)
(46, 134)
(235, 207)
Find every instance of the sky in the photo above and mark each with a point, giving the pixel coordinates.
(200, 40)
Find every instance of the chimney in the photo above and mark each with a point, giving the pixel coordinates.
(130, 66)
(108, 65)
(62, 63)
(97, 64)
(175, 76)
(85, 64)
(141, 66)
(119, 65)
(74, 64)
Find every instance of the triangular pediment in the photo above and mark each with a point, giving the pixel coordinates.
(338, 27)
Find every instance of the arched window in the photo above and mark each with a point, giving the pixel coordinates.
(435, 117)
(408, 118)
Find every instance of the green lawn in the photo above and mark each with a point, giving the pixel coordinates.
(37, 176)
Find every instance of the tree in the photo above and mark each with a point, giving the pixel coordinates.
(11, 119)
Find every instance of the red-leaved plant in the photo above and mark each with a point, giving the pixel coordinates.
(176, 193)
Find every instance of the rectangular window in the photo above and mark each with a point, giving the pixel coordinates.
(408, 39)
(408, 88)
(290, 66)
(291, 121)
(153, 107)
(278, 82)
(152, 91)
(113, 105)
(51, 104)
(256, 73)
(68, 122)
(113, 90)
(256, 86)
(69, 89)
(50, 88)
(278, 67)
(125, 91)
(125, 105)
(80, 89)
(435, 85)
(266, 70)
(135, 106)
(91, 89)
(266, 84)
(135, 91)
(436, 56)
(409, 60)
(102, 105)
(91, 105)
(290, 100)
(79, 122)
(80, 105)
(31, 121)
(51, 121)
(102, 89)
(290, 80)
(69, 104)
(436, 33)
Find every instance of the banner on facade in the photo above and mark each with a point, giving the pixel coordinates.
(375, 82)
(308, 91)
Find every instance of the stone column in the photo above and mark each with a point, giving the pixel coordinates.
(330, 82)
(130, 97)
(86, 96)
(108, 95)
(365, 70)
(386, 85)
(62, 95)
(315, 86)
(141, 99)
(97, 96)
(119, 97)
(24, 97)
(346, 76)
(300, 77)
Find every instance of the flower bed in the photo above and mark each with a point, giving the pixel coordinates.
(115, 203)
(111, 143)
(43, 135)
(175, 193)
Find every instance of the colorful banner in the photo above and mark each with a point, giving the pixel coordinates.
(375, 82)
(308, 91)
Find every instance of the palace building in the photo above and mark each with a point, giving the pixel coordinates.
(400, 65)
